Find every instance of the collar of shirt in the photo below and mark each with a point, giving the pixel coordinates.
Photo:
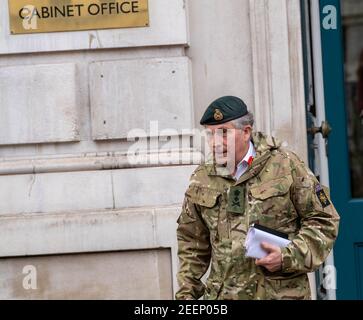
(245, 162)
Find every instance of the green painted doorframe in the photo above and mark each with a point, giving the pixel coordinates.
(315, 109)
(348, 251)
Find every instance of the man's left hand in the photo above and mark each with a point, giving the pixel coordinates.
(273, 261)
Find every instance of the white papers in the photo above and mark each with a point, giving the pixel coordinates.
(254, 239)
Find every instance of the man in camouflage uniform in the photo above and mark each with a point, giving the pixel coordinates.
(274, 189)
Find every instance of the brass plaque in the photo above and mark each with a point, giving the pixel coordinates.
(34, 16)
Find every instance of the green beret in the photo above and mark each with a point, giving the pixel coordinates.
(223, 110)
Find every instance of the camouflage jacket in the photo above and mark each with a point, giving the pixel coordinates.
(277, 191)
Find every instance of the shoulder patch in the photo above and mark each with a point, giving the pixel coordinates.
(322, 196)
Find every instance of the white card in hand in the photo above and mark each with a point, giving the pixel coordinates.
(256, 236)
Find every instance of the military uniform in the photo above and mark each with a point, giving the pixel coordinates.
(277, 191)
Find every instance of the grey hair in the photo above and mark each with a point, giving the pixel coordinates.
(246, 120)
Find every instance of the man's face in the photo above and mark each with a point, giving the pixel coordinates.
(228, 144)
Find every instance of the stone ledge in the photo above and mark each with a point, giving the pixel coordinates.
(100, 161)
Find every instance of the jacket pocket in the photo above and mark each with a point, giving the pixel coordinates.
(292, 288)
(203, 196)
(272, 188)
(271, 204)
(208, 201)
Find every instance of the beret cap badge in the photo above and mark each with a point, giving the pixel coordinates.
(224, 109)
(218, 115)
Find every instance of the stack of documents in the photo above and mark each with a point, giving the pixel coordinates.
(258, 234)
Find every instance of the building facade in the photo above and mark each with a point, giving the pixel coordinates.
(78, 218)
